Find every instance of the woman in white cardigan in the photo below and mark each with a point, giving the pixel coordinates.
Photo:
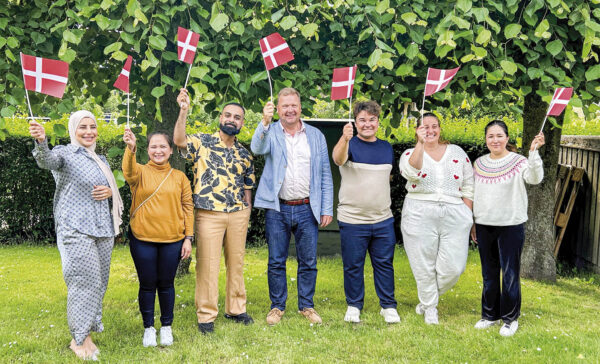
(500, 211)
(436, 216)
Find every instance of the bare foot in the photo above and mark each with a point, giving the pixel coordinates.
(84, 351)
(90, 345)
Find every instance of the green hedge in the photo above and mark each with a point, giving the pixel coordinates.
(26, 191)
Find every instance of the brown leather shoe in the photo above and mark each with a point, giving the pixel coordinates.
(311, 315)
(274, 316)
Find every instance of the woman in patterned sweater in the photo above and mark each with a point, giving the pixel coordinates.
(436, 216)
(500, 212)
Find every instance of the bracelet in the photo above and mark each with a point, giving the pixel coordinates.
(191, 237)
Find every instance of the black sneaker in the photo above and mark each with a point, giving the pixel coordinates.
(206, 327)
(241, 318)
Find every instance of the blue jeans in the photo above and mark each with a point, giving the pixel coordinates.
(300, 221)
(380, 241)
(156, 266)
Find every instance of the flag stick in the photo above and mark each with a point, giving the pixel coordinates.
(128, 111)
(26, 93)
(270, 85)
(422, 109)
(188, 76)
(350, 111)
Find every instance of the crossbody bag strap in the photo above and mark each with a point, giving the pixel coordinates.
(152, 195)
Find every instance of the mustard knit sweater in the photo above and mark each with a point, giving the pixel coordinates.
(169, 215)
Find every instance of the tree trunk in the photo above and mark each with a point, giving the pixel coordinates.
(538, 260)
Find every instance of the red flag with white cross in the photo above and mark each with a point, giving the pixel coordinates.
(187, 41)
(47, 76)
(122, 82)
(437, 79)
(561, 98)
(342, 83)
(275, 51)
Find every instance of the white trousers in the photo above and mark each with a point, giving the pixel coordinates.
(436, 240)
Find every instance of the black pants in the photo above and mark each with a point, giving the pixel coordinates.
(500, 248)
(156, 265)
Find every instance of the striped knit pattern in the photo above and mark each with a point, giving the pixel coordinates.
(487, 171)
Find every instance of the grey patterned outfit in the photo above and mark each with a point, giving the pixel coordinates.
(85, 233)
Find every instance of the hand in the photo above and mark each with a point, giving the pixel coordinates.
(186, 248)
(268, 111)
(326, 220)
(537, 142)
(473, 234)
(37, 131)
(421, 133)
(129, 139)
(183, 99)
(100, 193)
(348, 132)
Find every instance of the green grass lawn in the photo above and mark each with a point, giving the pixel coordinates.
(559, 322)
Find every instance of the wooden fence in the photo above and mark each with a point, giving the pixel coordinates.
(583, 234)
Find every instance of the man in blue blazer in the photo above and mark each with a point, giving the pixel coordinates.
(296, 189)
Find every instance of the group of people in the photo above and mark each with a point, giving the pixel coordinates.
(448, 199)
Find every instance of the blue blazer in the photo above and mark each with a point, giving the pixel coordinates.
(271, 143)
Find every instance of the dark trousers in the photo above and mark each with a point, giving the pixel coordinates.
(379, 240)
(156, 265)
(500, 248)
(300, 221)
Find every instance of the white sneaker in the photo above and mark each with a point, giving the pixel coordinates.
(509, 329)
(166, 336)
(149, 337)
(352, 314)
(484, 324)
(420, 309)
(431, 316)
(390, 315)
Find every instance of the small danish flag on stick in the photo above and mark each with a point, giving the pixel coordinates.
(342, 83)
(275, 52)
(122, 82)
(559, 102)
(47, 76)
(187, 41)
(436, 80)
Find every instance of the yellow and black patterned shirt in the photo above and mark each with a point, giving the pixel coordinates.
(221, 174)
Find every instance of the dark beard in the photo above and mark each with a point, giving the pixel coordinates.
(229, 129)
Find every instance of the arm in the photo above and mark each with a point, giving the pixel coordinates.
(45, 158)
(248, 197)
(131, 169)
(468, 183)
(416, 158)
(249, 180)
(260, 143)
(179, 138)
(326, 184)
(187, 204)
(534, 171)
(340, 151)
(406, 170)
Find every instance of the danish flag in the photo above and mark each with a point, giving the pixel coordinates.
(44, 75)
(342, 83)
(122, 82)
(186, 45)
(438, 79)
(275, 51)
(561, 98)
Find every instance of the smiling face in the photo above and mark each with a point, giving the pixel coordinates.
(432, 128)
(288, 108)
(366, 126)
(159, 149)
(232, 118)
(496, 140)
(86, 132)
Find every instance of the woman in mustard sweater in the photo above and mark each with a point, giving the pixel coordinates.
(161, 228)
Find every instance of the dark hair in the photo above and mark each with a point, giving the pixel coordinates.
(235, 104)
(371, 107)
(164, 134)
(504, 127)
(432, 115)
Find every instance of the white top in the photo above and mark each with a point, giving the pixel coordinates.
(500, 195)
(296, 183)
(448, 180)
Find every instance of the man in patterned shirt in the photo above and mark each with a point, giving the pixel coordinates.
(222, 193)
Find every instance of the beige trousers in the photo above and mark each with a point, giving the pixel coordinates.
(215, 231)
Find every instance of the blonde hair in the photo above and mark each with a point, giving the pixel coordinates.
(288, 91)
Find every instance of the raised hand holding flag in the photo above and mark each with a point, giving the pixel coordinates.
(342, 84)
(122, 82)
(187, 41)
(275, 52)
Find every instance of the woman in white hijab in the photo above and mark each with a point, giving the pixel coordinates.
(87, 216)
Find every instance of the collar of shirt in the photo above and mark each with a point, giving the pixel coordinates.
(301, 130)
(217, 136)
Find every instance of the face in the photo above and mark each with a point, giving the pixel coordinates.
(86, 132)
(432, 128)
(159, 150)
(366, 125)
(496, 139)
(232, 118)
(288, 108)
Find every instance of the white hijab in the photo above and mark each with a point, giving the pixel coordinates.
(117, 202)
